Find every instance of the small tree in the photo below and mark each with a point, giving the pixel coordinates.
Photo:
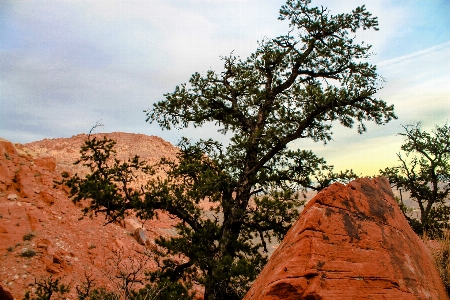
(424, 172)
(293, 87)
(47, 289)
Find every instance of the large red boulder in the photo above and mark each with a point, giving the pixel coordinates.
(350, 242)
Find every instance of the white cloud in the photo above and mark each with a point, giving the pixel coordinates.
(75, 62)
(418, 85)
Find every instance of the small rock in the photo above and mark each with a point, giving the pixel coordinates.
(12, 197)
(132, 224)
(139, 235)
(52, 269)
(47, 198)
(57, 259)
(47, 259)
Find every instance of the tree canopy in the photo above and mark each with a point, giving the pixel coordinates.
(424, 173)
(295, 86)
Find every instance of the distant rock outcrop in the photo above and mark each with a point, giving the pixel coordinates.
(350, 242)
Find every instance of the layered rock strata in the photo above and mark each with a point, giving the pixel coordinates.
(350, 242)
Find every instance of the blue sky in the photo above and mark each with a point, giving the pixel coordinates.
(64, 65)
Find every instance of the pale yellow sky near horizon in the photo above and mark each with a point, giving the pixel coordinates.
(418, 85)
(66, 67)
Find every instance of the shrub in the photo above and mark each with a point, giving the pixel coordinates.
(441, 257)
(28, 237)
(26, 252)
(45, 288)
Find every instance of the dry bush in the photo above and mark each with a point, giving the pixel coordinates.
(126, 269)
(441, 257)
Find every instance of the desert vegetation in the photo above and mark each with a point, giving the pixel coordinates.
(424, 173)
(293, 87)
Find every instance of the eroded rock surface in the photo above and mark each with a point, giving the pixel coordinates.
(350, 242)
(41, 233)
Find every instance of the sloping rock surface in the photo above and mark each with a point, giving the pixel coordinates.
(350, 242)
(41, 233)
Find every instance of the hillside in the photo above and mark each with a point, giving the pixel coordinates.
(41, 230)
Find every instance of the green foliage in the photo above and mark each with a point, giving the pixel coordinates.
(295, 86)
(424, 172)
(107, 180)
(47, 289)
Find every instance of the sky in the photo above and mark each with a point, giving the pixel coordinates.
(65, 65)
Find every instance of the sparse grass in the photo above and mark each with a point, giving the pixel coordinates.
(28, 252)
(441, 257)
(28, 237)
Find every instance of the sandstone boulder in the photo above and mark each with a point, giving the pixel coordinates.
(25, 180)
(139, 235)
(7, 149)
(350, 242)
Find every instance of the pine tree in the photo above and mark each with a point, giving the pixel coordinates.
(294, 87)
(424, 173)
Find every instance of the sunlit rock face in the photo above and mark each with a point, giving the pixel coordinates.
(350, 242)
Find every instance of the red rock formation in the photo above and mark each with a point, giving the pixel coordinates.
(5, 294)
(38, 217)
(350, 242)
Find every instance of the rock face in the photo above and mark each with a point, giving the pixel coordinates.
(41, 233)
(350, 242)
(5, 294)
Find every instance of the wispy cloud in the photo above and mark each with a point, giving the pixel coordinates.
(66, 64)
